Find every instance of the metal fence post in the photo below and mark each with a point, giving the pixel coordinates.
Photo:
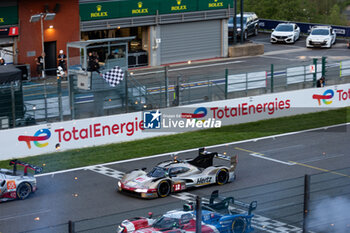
(246, 84)
(126, 92)
(306, 201)
(226, 83)
(71, 227)
(340, 69)
(45, 99)
(315, 74)
(166, 91)
(272, 78)
(324, 66)
(59, 93)
(198, 214)
(13, 99)
(71, 96)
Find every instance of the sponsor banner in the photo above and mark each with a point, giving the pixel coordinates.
(39, 139)
(28, 141)
(304, 27)
(8, 15)
(133, 8)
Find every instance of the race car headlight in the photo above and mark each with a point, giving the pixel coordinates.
(119, 184)
(290, 35)
(141, 190)
(121, 229)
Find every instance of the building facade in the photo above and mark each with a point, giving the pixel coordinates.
(165, 31)
(63, 28)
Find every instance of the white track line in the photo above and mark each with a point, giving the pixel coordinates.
(193, 149)
(188, 68)
(271, 159)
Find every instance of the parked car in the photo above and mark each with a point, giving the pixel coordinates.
(321, 36)
(220, 215)
(250, 25)
(178, 175)
(285, 32)
(15, 184)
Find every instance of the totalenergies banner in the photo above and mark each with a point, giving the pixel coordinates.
(34, 140)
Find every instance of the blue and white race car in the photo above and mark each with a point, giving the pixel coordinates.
(220, 215)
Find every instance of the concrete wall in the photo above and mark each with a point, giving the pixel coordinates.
(245, 50)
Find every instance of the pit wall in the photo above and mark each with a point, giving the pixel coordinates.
(60, 136)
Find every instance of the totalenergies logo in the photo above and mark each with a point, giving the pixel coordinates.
(327, 95)
(40, 135)
(198, 113)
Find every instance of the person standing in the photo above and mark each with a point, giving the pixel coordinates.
(2, 61)
(62, 58)
(321, 82)
(40, 65)
(93, 63)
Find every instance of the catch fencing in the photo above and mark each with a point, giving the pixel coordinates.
(316, 203)
(58, 100)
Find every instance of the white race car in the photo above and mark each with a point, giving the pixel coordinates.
(286, 33)
(321, 36)
(15, 184)
(178, 175)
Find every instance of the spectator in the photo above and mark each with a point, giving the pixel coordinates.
(93, 63)
(2, 61)
(40, 65)
(62, 58)
(321, 82)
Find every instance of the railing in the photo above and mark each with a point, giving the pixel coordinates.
(60, 100)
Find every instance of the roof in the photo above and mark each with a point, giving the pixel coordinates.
(9, 73)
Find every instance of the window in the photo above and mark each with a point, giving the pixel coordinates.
(178, 170)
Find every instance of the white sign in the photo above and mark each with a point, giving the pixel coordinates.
(40, 139)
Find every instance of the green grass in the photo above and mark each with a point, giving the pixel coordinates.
(121, 151)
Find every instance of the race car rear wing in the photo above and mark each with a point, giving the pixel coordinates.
(205, 159)
(36, 169)
(218, 203)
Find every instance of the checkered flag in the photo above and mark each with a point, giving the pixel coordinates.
(114, 76)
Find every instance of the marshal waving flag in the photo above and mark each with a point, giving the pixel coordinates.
(114, 76)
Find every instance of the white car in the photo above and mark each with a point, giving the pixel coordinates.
(285, 32)
(321, 36)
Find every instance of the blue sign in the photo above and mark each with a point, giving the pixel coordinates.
(152, 119)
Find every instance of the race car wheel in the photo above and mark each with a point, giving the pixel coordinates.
(23, 190)
(238, 225)
(163, 188)
(222, 177)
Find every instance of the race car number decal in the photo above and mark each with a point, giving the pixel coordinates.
(11, 184)
(177, 187)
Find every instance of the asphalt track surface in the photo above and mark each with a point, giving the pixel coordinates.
(86, 193)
